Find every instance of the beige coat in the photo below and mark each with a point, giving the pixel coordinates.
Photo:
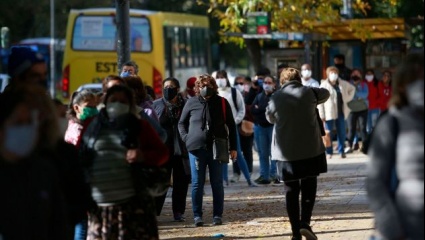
(329, 109)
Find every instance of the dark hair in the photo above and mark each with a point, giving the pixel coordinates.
(122, 89)
(375, 79)
(410, 70)
(223, 73)
(263, 72)
(282, 65)
(78, 98)
(248, 78)
(136, 84)
(340, 56)
(131, 64)
(172, 79)
(150, 92)
(8, 102)
(111, 78)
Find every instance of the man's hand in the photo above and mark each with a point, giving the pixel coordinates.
(134, 155)
(233, 155)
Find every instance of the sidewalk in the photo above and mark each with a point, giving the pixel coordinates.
(341, 210)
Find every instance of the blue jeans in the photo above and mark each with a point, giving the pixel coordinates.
(81, 230)
(199, 160)
(372, 118)
(340, 133)
(240, 160)
(264, 143)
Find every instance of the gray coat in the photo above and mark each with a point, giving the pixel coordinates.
(403, 145)
(296, 134)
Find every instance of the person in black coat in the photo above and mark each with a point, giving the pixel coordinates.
(169, 108)
(204, 118)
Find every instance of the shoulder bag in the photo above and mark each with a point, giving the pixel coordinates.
(221, 145)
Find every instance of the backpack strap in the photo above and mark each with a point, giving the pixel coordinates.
(234, 96)
(223, 107)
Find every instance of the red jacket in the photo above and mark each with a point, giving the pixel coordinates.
(374, 95)
(385, 93)
(155, 152)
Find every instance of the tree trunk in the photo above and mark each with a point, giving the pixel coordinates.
(254, 52)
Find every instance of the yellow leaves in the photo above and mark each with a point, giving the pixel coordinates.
(361, 6)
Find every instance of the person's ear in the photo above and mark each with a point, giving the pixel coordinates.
(76, 108)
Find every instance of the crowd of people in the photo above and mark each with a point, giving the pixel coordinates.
(83, 174)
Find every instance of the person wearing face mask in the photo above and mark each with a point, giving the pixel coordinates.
(33, 164)
(395, 172)
(145, 105)
(129, 69)
(237, 104)
(259, 79)
(203, 118)
(169, 109)
(263, 131)
(81, 109)
(374, 99)
(112, 143)
(344, 72)
(358, 116)
(335, 110)
(306, 79)
(246, 135)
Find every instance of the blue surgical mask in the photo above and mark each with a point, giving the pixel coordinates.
(268, 87)
(21, 140)
(260, 82)
(125, 74)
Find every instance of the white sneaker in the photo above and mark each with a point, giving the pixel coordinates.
(235, 178)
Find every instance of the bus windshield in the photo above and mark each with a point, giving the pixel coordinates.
(98, 33)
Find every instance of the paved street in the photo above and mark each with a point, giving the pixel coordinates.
(341, 210)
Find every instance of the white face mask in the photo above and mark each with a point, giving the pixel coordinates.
(115, 109)
(20, 140)
(369, 77)
(221, 82)
(306, 74)
(239, 87)
(333, 77)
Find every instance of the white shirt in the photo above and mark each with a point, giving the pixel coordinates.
(310, 82)
(227, 94)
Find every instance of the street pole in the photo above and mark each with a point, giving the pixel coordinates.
(52, 49)
(123, 31)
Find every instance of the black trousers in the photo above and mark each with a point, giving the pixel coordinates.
(246, 147)
(353, 119)
(308, 188)
(181, 180)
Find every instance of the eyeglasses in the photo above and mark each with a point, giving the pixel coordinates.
(239, 83)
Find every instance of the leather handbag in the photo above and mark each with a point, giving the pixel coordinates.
(357, 105)
(221, 145)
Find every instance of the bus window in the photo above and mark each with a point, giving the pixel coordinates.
(98, 33)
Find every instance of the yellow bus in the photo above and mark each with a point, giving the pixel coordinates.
(162, 44)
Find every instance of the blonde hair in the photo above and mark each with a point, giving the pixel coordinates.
(331, 69)
(289, 74)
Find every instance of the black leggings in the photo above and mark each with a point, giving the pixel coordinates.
(308, 189)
